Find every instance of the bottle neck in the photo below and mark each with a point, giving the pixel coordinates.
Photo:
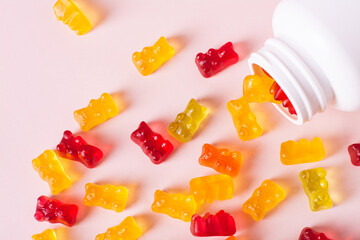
(304, 89)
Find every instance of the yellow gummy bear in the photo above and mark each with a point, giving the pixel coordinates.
(48, 234)
(68, 12)
(316, 188)
(51, 171)
(151, 58)
(304, 151)
(210, 188)
(244, 120)
(187, 123)
(175, 205)
(126, 230)
(263, 199)
(98, 111)
(106, 196)
(257, 89)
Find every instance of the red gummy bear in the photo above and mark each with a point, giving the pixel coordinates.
(220, 224)
(279, 95)
(55, 211)
(309, 234)
(354, 151)
(216, 60)
(152, 144)
(76, 148)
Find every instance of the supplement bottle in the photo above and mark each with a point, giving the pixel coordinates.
(314, 56)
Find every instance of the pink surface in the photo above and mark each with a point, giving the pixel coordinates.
(47, 72)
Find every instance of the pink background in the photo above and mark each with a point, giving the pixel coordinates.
(47, 72)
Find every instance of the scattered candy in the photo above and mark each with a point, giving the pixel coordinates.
(152, 143)
(216, 60)
(279, 95)
(221, 160)
(231, 238)
(151, 58)
(309, 234)
(68, 12)
(187, 122)
(354, 151)
(76, 148)
(55, 211)
(51, 171)
(220, 224)
(175, 205)
(48, 234)
(316, 188)
(263, 199)
(211, 188)
(126, 230)
(304, 151)
(106, 196)
(256, 89)
(98, 111)
(244, 120)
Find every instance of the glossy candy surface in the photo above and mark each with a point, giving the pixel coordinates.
(257, 89)
(151, 58)
(188, 122)
(220, 224)
(48, 234)
(316, 188)
(51, 171)
(304, 151)
(354, 151)
(98, 111)
(69, 13)
(244, 120)
(309, 234)
(263, 199)
(152, 143)
(221, 160)
(216, 60)
(279, 95)
(106, 196)
(175, 205)
(76, 148)
(126, 230)
(55, 211)
(231, 238)
(210, 188)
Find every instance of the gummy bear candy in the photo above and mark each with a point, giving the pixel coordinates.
(244, 120)
(279, 95)
(216, 60)
(304, 151)
(221, 160)
(354, 151)
(51, 171)
(151, 143)
(68, 12)
(126, 230)
(316, 188)
(106, 196)
(187, 122)
(263, 199)
(175, 205)
(256, 89)
(309, 234)
(210, 188)
(231, 238)
(151, 58)
(48, 234)
(220, 224)
(98, 111)
(55, 211)
(76, 148)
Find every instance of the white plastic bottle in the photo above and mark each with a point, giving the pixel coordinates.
(314, 55)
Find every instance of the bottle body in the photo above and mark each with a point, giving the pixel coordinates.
(314, 55)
